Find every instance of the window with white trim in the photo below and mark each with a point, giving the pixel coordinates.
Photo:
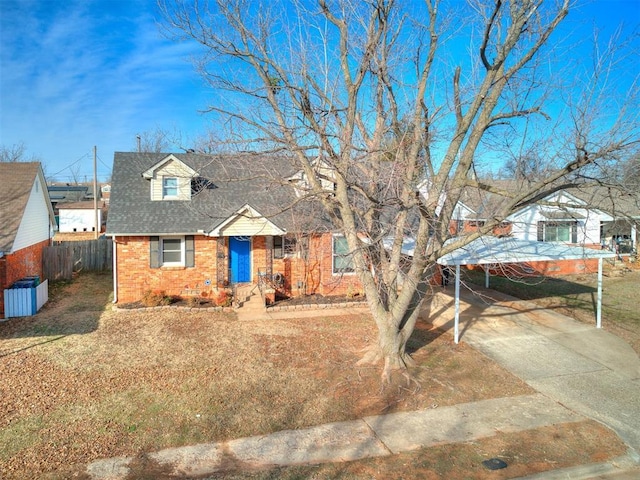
(172, 251)
(342, 258)
(169, 187)
(566, 232)
(285, 246)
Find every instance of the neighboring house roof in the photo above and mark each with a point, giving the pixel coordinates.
(599, 199)
(86, 205)
(67, 193)
(228, 183)
(17, 182)
(617, 202)
(72, 193)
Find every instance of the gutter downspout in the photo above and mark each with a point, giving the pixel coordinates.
(115, 270)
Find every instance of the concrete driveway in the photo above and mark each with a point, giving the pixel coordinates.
(590, 371)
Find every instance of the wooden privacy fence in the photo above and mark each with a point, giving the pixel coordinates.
(63, 258)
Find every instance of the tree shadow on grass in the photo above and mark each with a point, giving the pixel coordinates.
(533, 287)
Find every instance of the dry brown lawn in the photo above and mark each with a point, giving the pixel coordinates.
(82, 382)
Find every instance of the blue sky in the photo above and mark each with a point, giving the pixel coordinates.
(74, 74)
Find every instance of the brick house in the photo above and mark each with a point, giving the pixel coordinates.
(192, 225)
(27, 222)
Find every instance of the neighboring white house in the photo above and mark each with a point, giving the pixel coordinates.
(79, 217)
(560, 217)
(26, 223)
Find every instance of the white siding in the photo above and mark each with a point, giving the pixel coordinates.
(172, 169)
(525, 222)
(82, 220)
(35, 226)
(461, 212)
(244, 226)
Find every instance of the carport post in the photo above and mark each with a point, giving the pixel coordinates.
(599, 306)
(457, 302)
(486, 276)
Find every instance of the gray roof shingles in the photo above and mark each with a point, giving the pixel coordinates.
(234, 181)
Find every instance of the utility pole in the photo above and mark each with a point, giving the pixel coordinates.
(95, 191)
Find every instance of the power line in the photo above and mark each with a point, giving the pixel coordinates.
(69, 166)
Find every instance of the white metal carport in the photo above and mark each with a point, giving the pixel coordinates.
(493, 250)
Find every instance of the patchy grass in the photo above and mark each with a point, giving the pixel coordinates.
(576, 296)
(82, 382)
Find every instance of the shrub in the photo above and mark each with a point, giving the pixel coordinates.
(155, 298)
(193, 301)
(223, 298)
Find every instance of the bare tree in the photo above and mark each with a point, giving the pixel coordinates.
(630, 173)
(16, 153)
(156, 140)
(364, 94)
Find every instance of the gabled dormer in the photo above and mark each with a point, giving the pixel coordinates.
(170, 179)
(323, 171)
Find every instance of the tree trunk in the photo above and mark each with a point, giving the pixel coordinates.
(391, 345)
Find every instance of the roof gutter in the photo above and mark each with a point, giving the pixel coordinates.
(149, 234)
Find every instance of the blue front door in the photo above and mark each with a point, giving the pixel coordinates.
(240, 259)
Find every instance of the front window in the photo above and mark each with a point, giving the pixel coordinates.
(476, 224)
(565, 232)
(169, 187)
(342, 259)
(172, 251)
(557, 232)
(284, 247)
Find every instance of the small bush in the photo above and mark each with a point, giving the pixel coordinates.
(193, 301)
(224, 298)
(155, 298)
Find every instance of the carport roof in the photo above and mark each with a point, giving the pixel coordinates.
(490, 250)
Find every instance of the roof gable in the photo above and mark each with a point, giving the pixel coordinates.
(150, 172)
(246, 221)
(21, 180)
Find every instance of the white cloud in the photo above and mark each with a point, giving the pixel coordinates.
(80, 74)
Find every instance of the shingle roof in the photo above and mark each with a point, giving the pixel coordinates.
(17, 181)
(232, 181)
(615, 201)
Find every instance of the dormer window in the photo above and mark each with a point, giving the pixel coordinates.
(170, 179)
(170, 187)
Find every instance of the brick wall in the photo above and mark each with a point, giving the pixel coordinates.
(549, 268)
(26, 262)
(134, 275)
(309, 275)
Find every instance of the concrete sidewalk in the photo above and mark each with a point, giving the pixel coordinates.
(369, 437)
(579, 372)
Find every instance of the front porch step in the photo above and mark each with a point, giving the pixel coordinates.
(243, 293)
(247, 297)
